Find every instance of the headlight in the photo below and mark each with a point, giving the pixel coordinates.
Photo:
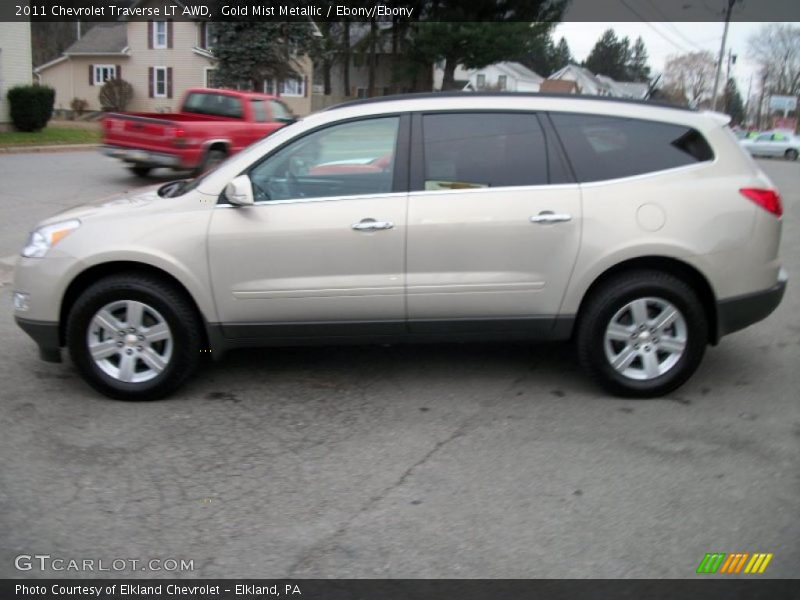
(44, 238)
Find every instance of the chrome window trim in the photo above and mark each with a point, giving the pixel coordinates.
(318, 199)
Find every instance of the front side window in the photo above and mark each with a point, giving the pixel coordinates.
(482, 150)
(766, 137)
(259, 111)
(280, 111)
(603, 147)
(160, 34)
(349, 159)
(103, 73)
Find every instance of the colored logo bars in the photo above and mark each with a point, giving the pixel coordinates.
(720, 562)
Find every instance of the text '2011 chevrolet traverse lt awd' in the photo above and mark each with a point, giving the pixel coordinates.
(642, 232)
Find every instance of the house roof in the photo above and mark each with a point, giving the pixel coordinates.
(583, 77)
(633, 89)
(103, 38)
(520, 71)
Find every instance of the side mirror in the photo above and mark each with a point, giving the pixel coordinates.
(240, 191)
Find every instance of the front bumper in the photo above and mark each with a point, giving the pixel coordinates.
(144, 158)
(45, 334)
(739, 312)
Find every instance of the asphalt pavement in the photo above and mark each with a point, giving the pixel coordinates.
(473, 461)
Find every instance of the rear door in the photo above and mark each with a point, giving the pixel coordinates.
(494, 223)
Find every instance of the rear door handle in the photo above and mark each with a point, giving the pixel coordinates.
(372, 225)
(548, 216)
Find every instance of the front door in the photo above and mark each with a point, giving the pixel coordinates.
(322, 250)
(493, 232)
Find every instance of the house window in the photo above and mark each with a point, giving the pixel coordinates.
(361, 92)
(293, 86)
(103, 73)
(269, 87)
(159, 82)
(502, 82)
(160, 34)
(481, 81)
(209, 77)
(208, 36)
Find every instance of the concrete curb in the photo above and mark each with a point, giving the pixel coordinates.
(51, 148)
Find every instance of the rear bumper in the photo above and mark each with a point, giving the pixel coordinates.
(45, 334)
(739, 312)
(143, 158)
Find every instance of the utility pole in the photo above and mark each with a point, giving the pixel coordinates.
(728, 12)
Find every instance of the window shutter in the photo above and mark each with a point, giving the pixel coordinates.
(203, 35)
(150, 77)
(305, 86)
(169, 82)
(150, 36)
(91, 74)
(119, 72)
(169, 33)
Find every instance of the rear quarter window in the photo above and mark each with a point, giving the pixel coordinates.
(601, 147)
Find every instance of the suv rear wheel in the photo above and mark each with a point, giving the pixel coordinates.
(642, 334)
(133, 337)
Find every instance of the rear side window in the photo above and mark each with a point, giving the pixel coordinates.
(481, 150)
(218, 105)
(602, 147)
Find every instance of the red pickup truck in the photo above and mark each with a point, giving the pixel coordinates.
(212, 125)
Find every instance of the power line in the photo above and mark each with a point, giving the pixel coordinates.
(668, 24)
(650, 25)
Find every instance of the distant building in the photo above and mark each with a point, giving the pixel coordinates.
(503, 76)
(160, 59)
(15, 62)
(583, 81)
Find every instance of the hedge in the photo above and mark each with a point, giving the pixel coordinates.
(31, 106)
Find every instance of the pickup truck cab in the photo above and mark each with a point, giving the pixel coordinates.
(212, 125)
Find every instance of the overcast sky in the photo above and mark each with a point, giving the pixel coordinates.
(666, 38)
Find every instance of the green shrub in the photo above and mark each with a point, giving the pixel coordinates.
(31, 106)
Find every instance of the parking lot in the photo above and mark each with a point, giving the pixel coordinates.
(482, 460)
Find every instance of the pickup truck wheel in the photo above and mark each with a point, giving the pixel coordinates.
(212, 159)
(791, 154)
(642, 334)
(141, 171)
(133, 337)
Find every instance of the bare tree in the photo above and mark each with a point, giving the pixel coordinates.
(690, 76)
(776, 49)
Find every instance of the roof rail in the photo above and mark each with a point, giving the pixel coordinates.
(427, 95)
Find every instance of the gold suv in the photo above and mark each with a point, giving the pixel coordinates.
(642, 232)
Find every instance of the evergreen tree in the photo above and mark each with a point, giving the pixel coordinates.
(733, 102)
(251, 51)
(610, 56)
(637, 67)
(481, 32)
(562, 56)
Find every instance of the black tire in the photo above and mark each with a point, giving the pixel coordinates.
(791, 154)
(213, 158)
(611, 297)
(141, 171)
(170, 302)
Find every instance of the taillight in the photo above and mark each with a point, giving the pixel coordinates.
(769, 200)
(179, 136)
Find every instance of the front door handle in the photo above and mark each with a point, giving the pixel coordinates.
(548, 216)
(372, 225)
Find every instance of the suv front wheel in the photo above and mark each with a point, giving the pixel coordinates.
(134, 337)
(642, 334)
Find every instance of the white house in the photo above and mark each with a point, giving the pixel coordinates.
(587, 82)
(15, 62)
(502, 76)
